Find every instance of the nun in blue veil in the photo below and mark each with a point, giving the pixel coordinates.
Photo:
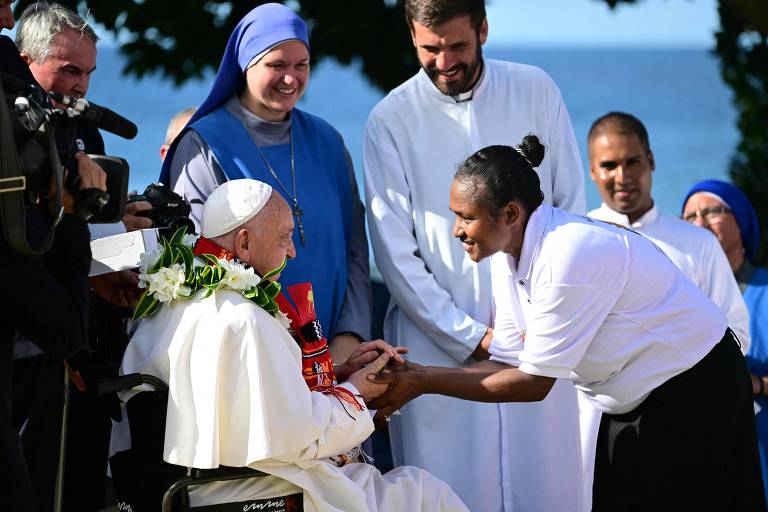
(248, 127)
(725, 210)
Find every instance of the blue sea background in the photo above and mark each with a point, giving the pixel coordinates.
(677, 93)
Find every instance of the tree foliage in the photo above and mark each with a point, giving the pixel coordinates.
(183, 40)
(743, 52)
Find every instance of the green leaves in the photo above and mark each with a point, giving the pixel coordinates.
(207, 277)
(178, 236)
(147, 305)
(188, 259)
(265, 292)
(275, 271)
(211, 274)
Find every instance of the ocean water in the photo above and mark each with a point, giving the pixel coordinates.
(678, 94)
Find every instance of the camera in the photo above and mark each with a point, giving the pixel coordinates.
(169, 209)
(38, 142)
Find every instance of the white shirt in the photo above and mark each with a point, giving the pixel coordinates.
(601, 305)
(698, 254)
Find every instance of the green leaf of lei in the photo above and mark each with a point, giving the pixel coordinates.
(145, 307)
(207, 277)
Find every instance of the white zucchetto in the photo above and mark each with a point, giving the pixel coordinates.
(232, 204)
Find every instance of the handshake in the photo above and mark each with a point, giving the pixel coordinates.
(381, 376)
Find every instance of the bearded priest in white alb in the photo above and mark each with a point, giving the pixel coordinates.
(513, 456)
(236, 392)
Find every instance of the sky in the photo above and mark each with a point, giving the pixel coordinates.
(591, 23)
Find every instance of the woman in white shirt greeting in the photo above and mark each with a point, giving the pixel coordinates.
(601, 305)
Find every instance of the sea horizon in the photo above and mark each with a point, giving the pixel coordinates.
(677, 92)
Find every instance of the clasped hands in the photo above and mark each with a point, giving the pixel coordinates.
(381, 376)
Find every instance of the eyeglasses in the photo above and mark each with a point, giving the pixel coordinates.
(711, 215)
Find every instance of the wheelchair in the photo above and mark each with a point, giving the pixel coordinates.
(145, 482)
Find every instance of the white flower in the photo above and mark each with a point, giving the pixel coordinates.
(148, 259)
(190, 240)
(283, 319)
(184, 292)
(168, 283)
(237, 277)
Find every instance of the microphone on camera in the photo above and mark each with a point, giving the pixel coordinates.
(102, 117)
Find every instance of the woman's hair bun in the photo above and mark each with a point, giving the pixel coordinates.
(532, 149)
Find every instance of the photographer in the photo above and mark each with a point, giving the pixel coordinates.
(45, 299)
(59, 48)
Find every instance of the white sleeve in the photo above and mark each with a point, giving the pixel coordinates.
(507, 342)
(719, 284)
(562, 321)
(570, 298)
(564, 160)
(391, 225)
(296, 423)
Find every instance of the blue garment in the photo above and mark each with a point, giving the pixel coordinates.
(741, 208)
(756, 297)
(324, 194)
(262, 28)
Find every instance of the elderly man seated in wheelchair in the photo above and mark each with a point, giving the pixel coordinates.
(250, 382)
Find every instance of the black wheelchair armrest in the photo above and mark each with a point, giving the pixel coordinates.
(204, 476)
(222, 472)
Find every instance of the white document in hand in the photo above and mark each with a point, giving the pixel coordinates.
(121, 252)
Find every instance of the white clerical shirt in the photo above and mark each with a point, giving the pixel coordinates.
(698, 254)
(601, 305)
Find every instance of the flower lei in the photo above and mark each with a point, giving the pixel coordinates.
(173, 272)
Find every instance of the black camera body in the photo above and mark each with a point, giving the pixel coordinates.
(32, 117)
(38, 144)
(169, 209)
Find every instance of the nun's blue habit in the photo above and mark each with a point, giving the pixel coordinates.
(755, 289)
(323, 187)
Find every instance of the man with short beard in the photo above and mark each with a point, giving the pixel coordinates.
(496, 457)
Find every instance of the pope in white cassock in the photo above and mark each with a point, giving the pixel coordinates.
(521, 456)
(236, 392)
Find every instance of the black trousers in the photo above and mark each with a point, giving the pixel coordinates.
(690, 445)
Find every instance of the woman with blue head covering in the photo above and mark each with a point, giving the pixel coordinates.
(725, 210)
(248, 127)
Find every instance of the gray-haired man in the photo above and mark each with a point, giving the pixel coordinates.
(59, 46)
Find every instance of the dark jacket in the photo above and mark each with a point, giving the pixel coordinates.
(45, 298)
